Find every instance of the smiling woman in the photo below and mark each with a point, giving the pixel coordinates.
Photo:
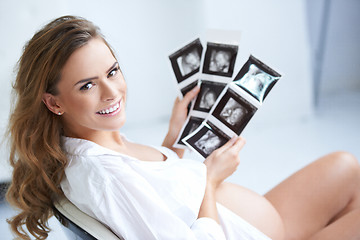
(35, 132)
(66, 140)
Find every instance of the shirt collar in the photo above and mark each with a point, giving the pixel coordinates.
(77, 146)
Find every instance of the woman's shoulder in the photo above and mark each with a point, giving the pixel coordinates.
(86, 170)
(88, 158)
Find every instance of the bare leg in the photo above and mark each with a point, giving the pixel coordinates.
(322, 200)
(253, 208)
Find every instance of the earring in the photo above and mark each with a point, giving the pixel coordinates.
(59, 113)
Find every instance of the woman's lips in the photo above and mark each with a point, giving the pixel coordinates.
(112, 110)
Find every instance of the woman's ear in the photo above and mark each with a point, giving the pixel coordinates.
(51, 103)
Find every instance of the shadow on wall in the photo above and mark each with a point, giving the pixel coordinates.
(334, 40)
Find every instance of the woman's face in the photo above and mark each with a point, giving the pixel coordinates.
(92, 91)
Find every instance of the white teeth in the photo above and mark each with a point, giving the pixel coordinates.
(110, 110)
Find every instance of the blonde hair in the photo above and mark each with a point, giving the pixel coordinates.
(34, 132)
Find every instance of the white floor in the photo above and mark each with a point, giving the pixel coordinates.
(271, 153)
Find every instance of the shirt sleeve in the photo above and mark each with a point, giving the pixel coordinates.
(133, 210)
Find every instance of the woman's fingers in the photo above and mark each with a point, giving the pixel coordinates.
(235, 143)
(239, 144)
(190, 95)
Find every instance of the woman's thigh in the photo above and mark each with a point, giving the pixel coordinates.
(252, 207)
(317, 195)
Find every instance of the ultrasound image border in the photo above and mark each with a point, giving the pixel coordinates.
(196, 44)
(201, 132)
(233, 49)
(219, 87)
(237, 128)
(262, 66)
(186, 131)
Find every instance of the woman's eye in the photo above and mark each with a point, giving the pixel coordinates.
(87, 86)
(113, 72)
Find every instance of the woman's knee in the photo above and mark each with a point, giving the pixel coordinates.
(344, 165)
(345, 161)
(346, 157)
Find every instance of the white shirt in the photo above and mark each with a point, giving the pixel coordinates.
(145, 200)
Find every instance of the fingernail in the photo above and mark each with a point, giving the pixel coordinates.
(233, 139)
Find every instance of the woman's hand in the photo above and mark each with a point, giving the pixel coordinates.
(220, 164)
(223, 161)
(180, 111)
(177, 120)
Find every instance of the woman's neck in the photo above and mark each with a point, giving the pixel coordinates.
(109, 139)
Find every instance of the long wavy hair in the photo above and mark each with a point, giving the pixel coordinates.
(34, 132)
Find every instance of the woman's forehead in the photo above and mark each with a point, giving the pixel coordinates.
(93, 58)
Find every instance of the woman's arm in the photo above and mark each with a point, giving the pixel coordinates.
(177, 120)
(220, 165)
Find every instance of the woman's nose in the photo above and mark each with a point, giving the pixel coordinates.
(108, 92)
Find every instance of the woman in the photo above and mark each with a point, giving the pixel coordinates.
(65, 139)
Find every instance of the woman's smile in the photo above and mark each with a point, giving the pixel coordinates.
(112, 110)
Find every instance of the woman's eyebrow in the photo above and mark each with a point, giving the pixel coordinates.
(92, 78)
(112, 66)
(85, 80)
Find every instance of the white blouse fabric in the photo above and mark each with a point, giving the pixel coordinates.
(145, 200)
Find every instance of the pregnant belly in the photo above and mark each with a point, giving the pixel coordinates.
(252, 207)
